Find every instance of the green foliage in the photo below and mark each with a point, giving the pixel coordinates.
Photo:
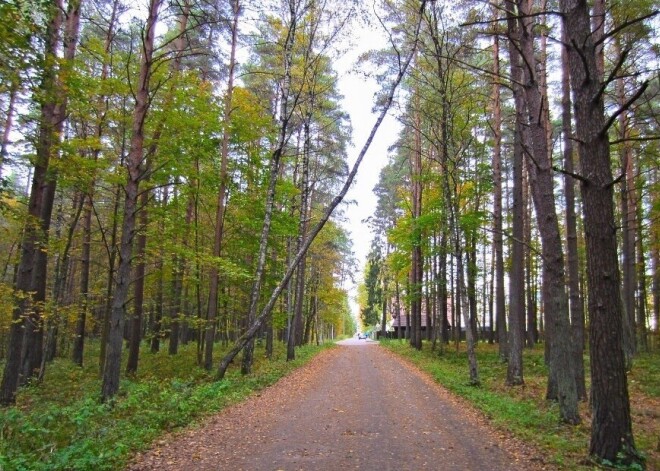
(61, 425)
(370, 306)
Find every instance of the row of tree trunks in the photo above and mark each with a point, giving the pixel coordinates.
(26, 332)
(531, 109)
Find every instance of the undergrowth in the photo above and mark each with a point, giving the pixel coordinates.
(60, 424)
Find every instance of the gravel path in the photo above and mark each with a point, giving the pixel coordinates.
(356, 406)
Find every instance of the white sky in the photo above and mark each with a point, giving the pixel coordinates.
(358, 102)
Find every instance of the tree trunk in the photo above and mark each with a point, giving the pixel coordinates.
(112, 366)
(85, 259)
(214, 275)
(498, 243)
(628, 228)
(555, 300)
(139, 273)
(642, 308)
(285, 116)
(416, 264)
(575, 300)
(611, 431)
(514, 374)
(8, 124)
(297, 321)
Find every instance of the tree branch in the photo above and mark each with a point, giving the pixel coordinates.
(577, 176)
(624, 107)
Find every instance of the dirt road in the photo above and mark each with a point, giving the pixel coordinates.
(353, 407)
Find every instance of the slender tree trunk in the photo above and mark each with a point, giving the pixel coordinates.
(416, 264)
(575, 300)
(628, 229)
(611, 430)
(112, 367)
(176, 306)
(462, 305)
(285, 115)
(157, 324)
(112, 257)
(514, 375)
(214, 275)
(79, 339)
(498, 244)
(642, 308)
(655, 261)
(296, 324)
(139, 274)
(8, 124)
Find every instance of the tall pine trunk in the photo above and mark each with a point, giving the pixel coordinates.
(575, 299)
(530, 103)
(611, 428)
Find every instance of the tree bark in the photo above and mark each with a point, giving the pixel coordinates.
(628, 228)
(139, 274)
(555, 300)
(214, 275)
(8, 124)
(514, 374)
(111, 370)
(575, 299)
(611, 431)
(498, 243)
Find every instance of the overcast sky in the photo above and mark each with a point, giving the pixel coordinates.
(358, 102)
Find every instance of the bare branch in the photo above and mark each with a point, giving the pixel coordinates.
(577, 176)
(624, 107)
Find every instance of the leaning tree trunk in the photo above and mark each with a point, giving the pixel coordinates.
(255, 326)
(611, 430)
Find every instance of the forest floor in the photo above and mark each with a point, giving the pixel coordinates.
(357, 406)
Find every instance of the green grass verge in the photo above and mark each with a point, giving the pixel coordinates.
(523, 411)
(59, 424)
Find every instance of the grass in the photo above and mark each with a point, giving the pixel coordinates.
(60, 424)
(525, 413)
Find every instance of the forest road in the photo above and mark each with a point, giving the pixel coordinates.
(355, 406)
